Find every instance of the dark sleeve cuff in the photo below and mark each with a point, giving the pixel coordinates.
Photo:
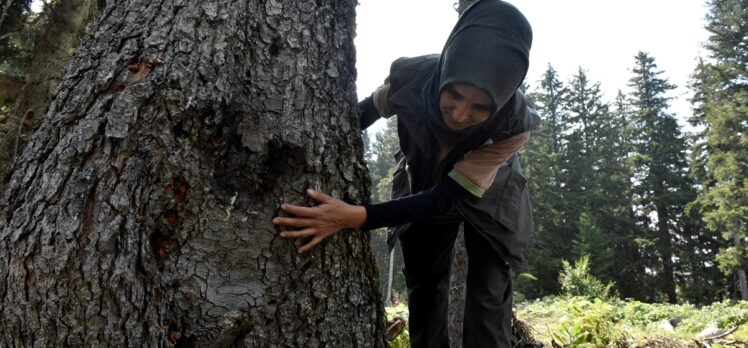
(367, 113)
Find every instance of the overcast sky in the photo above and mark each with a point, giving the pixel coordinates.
(601, 36)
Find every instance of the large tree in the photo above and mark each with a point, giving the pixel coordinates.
(721, 110)
(545, 153)
(662, 185)
(139, 212)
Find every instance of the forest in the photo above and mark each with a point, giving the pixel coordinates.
(132, 164)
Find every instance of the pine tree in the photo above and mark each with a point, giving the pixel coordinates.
(721, 108)
(543, 153)
(139, 213)
(594, 183)
(662, 186)
(628, 265)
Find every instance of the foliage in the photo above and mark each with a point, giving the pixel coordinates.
(580, 321)
(19, 30)
(542, 157)
(590, 324)
(732, 259)
(721, 151)
(575, 280)
(662, 186)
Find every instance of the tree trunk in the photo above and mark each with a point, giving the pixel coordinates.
(457, 280)
(60, 38)
(390, 275)
(139, 212)
(666, 252)
(742, 279)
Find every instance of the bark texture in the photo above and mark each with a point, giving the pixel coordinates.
(457, 280)
(139, 212)
(66, 23)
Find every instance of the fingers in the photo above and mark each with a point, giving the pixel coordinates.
(308, 246)
(299, 210)
(306, 217)
(293, 222)
(308, 232)
(319, 196)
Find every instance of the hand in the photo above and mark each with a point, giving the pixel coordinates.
(321, 221)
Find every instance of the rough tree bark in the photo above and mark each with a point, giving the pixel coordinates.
(139, 212)
(457, 280)
(66, 22)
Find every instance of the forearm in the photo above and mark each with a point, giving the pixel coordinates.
(427, 204)
(367, 113)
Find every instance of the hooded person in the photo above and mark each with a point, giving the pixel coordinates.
(488, 48)
(461, 119)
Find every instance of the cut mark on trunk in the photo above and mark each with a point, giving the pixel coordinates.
(181, 187)
(284, 161)
(161, 246)
(138, 71)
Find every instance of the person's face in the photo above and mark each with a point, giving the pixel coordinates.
(463, 105)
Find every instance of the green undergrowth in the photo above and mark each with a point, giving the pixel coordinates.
(582, 322)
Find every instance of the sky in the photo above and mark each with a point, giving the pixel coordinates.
(601, 36)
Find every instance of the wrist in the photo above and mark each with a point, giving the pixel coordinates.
(358, 216)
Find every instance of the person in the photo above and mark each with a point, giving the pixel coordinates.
(461, 119)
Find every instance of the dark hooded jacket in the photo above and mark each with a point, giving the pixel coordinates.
(488, 48)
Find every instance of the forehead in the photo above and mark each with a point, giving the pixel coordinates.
(470, 93)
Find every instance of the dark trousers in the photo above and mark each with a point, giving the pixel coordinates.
(427, 252)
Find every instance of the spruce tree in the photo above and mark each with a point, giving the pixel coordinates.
(662, 186)
(591, 169)
(628, 265)
(721, 108)
(544, 149)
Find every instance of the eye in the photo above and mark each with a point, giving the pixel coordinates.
(485, 108)
(453, 94)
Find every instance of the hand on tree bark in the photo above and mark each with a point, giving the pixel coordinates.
(321, 221)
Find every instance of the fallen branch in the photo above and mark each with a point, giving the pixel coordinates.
(395, 328)
(728, 333)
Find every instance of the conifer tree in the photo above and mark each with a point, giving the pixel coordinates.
(543, 151)
(662, 186)
(721, 108)
(591, 169)
(628, 265)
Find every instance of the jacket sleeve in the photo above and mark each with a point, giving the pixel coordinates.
(477, 170)
(421, 206)
(375, 106)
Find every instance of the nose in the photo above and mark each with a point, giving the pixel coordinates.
(460, 113)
